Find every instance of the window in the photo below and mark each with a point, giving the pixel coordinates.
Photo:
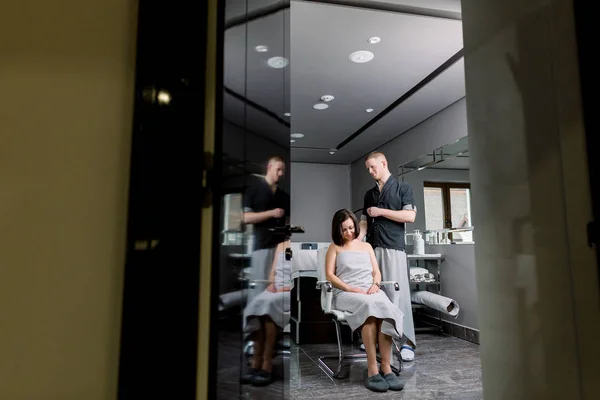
(448, 205)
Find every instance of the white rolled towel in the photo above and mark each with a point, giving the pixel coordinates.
(232, 299)
(418, 271)
(435, 301)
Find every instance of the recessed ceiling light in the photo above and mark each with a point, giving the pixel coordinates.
(327, 97)
(288, 114)
(332, 152)
(277, 62)
(361, 56)
(320, 106)
(297, 135)
(374, 40)
(369, 110)
(261, 49)
(292, 140)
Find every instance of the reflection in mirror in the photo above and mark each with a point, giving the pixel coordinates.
(254, 266)
(440, 182)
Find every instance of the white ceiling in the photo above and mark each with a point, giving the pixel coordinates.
(317, 39)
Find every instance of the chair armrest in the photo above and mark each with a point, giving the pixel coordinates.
(327, 285)
(327, 291)
(396, 285)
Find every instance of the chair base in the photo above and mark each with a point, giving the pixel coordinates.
(341, 357)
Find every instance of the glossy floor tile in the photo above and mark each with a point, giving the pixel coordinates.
(445, 368)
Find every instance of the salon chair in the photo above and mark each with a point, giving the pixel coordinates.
(339, 319)
(283, 345)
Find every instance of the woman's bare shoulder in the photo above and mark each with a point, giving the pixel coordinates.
(366, 246)
(332, 248)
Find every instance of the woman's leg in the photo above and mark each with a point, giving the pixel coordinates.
(385, 349)
(259, 345)
(269, 345)
(369, 337)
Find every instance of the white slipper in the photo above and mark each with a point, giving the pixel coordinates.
(407, 353)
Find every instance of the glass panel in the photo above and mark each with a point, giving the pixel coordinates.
(434, 208)
(460, 206)
(253, 272)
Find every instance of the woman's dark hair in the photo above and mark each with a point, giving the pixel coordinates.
(336, 226)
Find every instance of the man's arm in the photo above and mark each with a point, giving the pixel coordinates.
(251, 217)
(363, 224)
(363, 228)
(408, 213)
(404, 216)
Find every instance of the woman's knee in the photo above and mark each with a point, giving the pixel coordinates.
(371, 321)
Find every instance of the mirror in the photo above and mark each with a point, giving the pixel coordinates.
(443, 229)
(253, 267)
(442, 191)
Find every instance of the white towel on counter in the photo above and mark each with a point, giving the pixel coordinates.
(435, 301)
(420, 275)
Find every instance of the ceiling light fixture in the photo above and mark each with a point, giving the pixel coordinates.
(277, 62)
(332, 152)
(297, 135)
(369, 110)
(163, 97)
(288, 114)
(361, 56)
(327, 97)
(261, 49)
(321, 106)
(292, 140)
(374, 40)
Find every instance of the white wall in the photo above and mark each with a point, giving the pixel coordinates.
(318, 191)
(67, 78)
(443, 128)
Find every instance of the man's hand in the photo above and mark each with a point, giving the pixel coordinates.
(271, 288)
(277, 213)
(375, 212)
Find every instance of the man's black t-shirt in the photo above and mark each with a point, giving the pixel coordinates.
(258, 198)
(383, 232)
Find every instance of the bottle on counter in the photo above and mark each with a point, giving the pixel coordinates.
(418, 243)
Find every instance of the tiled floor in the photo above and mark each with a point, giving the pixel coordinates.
(446, 368)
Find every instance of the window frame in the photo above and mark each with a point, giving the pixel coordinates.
(446, 187)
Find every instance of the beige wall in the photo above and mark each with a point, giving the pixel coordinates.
(66, 101)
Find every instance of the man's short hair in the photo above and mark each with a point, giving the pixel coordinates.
(375, 154)
(276, 159)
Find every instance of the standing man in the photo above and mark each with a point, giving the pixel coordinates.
(387, 208)
(266, 206)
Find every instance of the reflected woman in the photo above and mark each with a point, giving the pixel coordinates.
(265, 317)
(352, 269)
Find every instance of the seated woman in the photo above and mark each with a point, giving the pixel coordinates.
(352, 269)
(265, 317)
